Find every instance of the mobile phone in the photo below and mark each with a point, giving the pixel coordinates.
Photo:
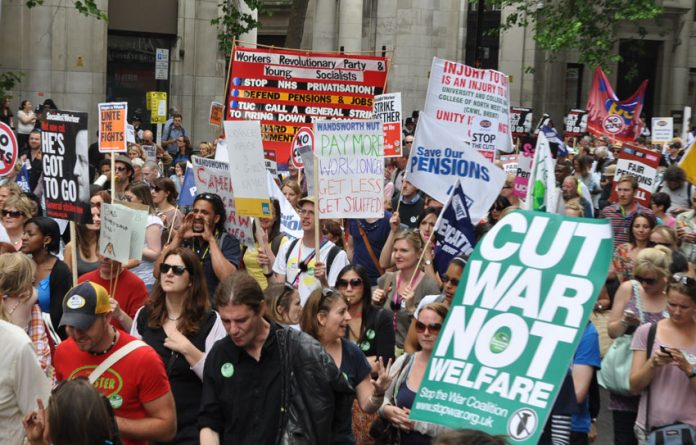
(629, 313)
(664, 350)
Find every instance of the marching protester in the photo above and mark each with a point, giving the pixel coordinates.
(283, 303)
(86, 244)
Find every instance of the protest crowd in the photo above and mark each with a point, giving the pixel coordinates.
(260, 337)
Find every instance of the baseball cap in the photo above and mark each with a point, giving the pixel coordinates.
(307, 199)
(83, 304)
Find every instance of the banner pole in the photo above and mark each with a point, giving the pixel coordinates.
(171, 225)
(113, 176)
(317, 222)
(73, 261)
(420, 260)
(227, 79)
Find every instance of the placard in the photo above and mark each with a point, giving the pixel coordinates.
(509, 163)
(351, 168)
(65, 146)
(212, 176)
(287, 90)
(217, 110)
(514, 324)
(521, 121)
(387, 108)
(122, 232)
(9, 149)
(524, 167)
(248, 169)
(158, 107)
(662, 130)
(457, 93)
(575, 124)
(112, 127)
(642, 163)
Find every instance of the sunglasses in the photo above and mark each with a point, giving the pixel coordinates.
(354, 282)
(433, 328)
(452, 281)
(643, 280)
(12, 213)
(178, 270)
(121, 168)
(155, 189)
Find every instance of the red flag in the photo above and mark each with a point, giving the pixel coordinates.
(607, 115)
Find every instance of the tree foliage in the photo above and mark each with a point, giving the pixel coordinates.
(588, 26)
(87, 8)
(232, 23)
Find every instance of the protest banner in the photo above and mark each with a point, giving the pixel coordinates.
(482, 135)
(520, 121)
(509, 163)
(351, 168)
(64, 146)
(524, 167)
(9, 149)
(438, 158)
(289, 219)
(387, 108)
(457, 93)
(662, 130)
(150, 152)
(287, 89)
(213, 176)
(454, 230)
(122, 231)
(607, 115)
(514, 324)
(307, 154)
(542, 193)
(188, 188)
(158, 106)
(545, 119)
(639, 162)
(112, 127)
(248, 169)
(269, 158)
(575, 123)
(130, 134)
(217, 110)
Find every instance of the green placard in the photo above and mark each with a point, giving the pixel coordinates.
(516, 319)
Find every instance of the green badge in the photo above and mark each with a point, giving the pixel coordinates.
(116, 401)
(364, 346)
(500, 341)
(227, 370)
(370, 334)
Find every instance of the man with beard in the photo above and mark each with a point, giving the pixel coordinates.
(203, 231)
(569, 190)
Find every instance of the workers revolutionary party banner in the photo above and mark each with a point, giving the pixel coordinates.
(607, 115)
(514, 324)
(439, 157)
(351, 168)
(641, 163)
(287, 90)
(65, 146)
(472, 102)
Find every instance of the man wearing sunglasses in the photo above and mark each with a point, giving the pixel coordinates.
(136, 385)
(203, 231)
(123, 175)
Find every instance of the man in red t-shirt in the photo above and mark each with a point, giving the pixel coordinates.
(136, 385)
(129, 293)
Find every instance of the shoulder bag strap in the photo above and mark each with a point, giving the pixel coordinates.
(648, 352)
(403, 373)
(113, 358)
(369, 249)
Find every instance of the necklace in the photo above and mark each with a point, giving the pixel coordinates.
(172, 318)
(14, 308)
(113, 342)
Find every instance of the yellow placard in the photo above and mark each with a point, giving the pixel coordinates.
(258, 208)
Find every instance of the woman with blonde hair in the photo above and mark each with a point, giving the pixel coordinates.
(403, 289)
(19, 303)
(16, 211)
(637, 301)
(292, 192)
(664, 236)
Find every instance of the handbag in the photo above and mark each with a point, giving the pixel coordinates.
(674, 434)
(616, 365)
(383, 431)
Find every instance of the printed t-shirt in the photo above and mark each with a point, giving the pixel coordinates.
(137, 378)
(131, 292)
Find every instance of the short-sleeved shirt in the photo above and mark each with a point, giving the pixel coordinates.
(241, 397)
(621, 222)
(131, 292)
(231, 250)
(136, 379)
(305, 282)
(672, 398)
(355, 367)
(586, 354)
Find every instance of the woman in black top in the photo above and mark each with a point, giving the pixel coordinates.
(179, 324)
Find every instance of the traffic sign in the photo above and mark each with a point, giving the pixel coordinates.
(9, 149)
(304, 137)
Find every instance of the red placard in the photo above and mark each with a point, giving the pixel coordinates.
(287, 90)
(639, 162)
(8, 148)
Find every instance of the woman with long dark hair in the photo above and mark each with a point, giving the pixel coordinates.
(179, 324)
(87, 238)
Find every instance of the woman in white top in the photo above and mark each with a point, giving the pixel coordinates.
(139, 192)
(26, 120)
